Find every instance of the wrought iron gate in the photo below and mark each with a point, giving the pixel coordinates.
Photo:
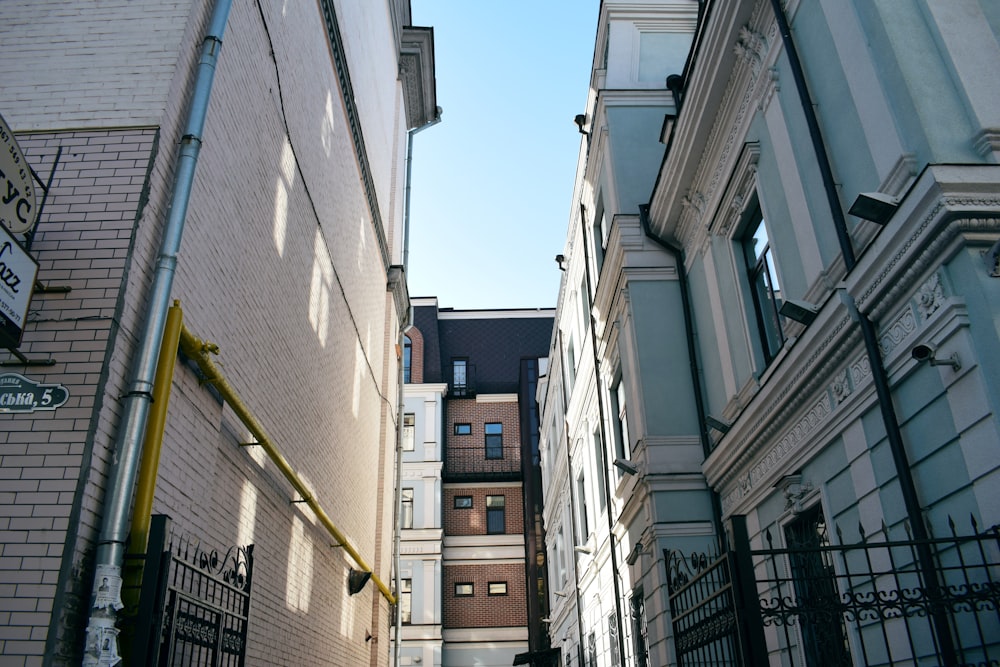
(194, 604)
(863, 603)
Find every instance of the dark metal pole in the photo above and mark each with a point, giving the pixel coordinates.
(879, 375)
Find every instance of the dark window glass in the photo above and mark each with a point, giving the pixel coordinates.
(407, 357)
(494, 440)
(463, 502)
(405, 595)
(460, 377)
(406, 514)
(463, 429)
(496, 522)
(637, 606)
(764, 287)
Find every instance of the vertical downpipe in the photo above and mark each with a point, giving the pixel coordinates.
(102, 636)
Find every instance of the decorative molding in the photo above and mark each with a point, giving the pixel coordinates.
(987, 141)
(930, 296)
(752, 48)
(897, 331)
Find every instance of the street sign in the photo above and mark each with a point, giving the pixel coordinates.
(18, 271)
(17, 189)
(19, 394)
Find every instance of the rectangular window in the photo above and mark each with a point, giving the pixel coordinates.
(406, 514)
(463, 429)
(408, 430)
(764, 287)
(616, 658)
(463, 589)
(598, 444)
(824, 643)
(494, 440)
(581, 502)
(405, 600)
(496, 521)
(623, 447)
(498, 588)
(407, 358)
(463, 502)
(460, 377)
(640, 645)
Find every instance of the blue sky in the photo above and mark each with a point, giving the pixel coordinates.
(492, 184)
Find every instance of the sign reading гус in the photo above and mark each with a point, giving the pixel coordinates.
(17, 189)
(19, 394)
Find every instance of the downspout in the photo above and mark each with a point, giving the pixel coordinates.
(880, 376)
(406, 195)
(114, 521)
(572, 513)
(600, 411)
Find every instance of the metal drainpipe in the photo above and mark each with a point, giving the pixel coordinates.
(409, 168)
(114, 521)
(879, 374)
(600, 409)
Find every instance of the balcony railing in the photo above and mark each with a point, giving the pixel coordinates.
(468, 462)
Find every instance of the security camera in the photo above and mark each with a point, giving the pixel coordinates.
(926, 354)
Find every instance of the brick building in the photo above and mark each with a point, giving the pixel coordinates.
(289, 262)
(471, 518)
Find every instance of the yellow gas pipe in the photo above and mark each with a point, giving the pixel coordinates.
(199, 351)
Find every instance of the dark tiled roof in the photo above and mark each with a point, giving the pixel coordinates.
(425, 319)
(495, 347)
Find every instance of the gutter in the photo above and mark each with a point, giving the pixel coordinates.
(105, 599)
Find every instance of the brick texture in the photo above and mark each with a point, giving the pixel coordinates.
(482, 610)
(466, 454)
(473, 521)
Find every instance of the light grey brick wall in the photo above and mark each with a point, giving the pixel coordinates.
(47, 459)
(89, 65)
(279, 265)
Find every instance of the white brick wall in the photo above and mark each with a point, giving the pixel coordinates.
(86, 65)
(305, 325)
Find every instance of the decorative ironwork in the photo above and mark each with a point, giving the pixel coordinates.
(197, 602)
(876, 591)
(867, 598)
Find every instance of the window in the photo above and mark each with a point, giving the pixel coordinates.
(498, 588)
(623, 447)
(592, 649)
(406, 514)
(463, 589)
(408, 429)
(638, 609)
(570, 365)
(460, 377)
(581, 502)
(407, 357)
(598, 444)
(496, 522)
(494, 440)
(616, 658)
(824, 643)
(764, 287)
(405, 600)
(463, 429)
(463, 502)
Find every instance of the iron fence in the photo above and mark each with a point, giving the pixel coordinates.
(830, 605)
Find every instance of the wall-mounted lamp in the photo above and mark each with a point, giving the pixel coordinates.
(561, 261)
(559, 594)
(583, 549)
(356, 580)
(675, 84)
(633, 555)
(580, 120)
(717, 424)
(667, 131)
(877, 207)
(926, 354)
(626, 467)
(800, 311)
